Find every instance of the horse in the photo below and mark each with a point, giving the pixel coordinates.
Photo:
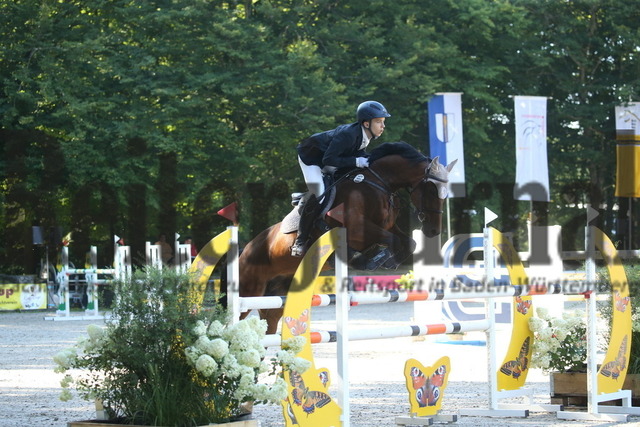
(371, 206)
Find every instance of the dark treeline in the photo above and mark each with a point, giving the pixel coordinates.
(138, 118)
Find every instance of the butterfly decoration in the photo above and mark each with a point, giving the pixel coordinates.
(302, 396)
(298, 326)
(520, 364)
(620, 302)
(288, 410)
(523, 305)
(426, 385)
(614, 368)
(427, 389)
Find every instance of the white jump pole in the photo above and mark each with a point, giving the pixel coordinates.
(343, 303)
(63, 290)
(393, 296)
(153, 255)
(233, 276)
(92, 283)
(321, 337)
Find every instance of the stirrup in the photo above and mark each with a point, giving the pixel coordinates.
(298, 249)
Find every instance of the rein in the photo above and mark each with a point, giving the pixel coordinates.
(386, 189)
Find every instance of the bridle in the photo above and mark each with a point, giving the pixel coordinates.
(428, 176)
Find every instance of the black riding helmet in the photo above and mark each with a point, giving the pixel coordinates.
(371, 110)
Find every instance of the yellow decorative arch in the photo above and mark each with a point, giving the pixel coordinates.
(308, 402)
(514, 369)
(613, 370)
(206, 260)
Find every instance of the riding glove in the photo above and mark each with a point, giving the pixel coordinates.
(362, 162)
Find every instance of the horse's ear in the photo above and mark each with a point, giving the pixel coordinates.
(434, 161)
(451, 165)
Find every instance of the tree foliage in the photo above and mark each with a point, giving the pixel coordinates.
(139, 118)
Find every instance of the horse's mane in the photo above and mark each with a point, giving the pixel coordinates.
(400, 148)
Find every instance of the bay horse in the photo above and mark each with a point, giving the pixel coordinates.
(371, 206)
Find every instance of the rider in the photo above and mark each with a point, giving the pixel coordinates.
(334, 149)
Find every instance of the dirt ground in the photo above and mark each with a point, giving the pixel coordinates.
(29, 388)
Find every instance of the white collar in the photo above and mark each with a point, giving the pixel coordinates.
(365, 139)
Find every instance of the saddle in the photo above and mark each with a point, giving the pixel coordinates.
(291, 221)
(370, 259)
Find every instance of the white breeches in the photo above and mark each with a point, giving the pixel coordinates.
(313, 177)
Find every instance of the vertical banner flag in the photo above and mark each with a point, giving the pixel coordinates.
(532, 170)
(628, 150)
(445, 137)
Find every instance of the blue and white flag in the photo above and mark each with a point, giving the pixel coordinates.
(532, 169)
(445, 137)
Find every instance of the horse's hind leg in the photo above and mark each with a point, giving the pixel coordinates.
(272, 316)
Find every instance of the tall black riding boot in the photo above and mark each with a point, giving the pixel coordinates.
(308, 212)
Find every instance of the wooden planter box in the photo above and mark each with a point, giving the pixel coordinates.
(570, 389)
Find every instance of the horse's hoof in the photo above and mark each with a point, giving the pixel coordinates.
(362, 262)
(358, 262)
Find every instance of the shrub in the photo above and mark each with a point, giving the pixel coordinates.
(161, 361)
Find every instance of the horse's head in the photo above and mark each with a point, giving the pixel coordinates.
(428, 196)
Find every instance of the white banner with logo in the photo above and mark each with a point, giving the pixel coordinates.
(532, 169)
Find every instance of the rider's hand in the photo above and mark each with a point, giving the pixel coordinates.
(362, 162)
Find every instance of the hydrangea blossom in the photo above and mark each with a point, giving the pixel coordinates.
(200, 329)
(64, 359)
(206, 365)
(95, 332)
(218, 348)
(249, 358)
(215, 329)
(559, 343)
(294, 344)
(234, 355)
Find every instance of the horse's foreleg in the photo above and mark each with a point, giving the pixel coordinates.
(400, 251)
(398, 245)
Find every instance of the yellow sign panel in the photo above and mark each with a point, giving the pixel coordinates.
(628, 171)
(23, 296)
(628, 150)
(426, 385)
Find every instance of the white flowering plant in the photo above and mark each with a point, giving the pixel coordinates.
(160, 361)
(229, 358)
(560, 343)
